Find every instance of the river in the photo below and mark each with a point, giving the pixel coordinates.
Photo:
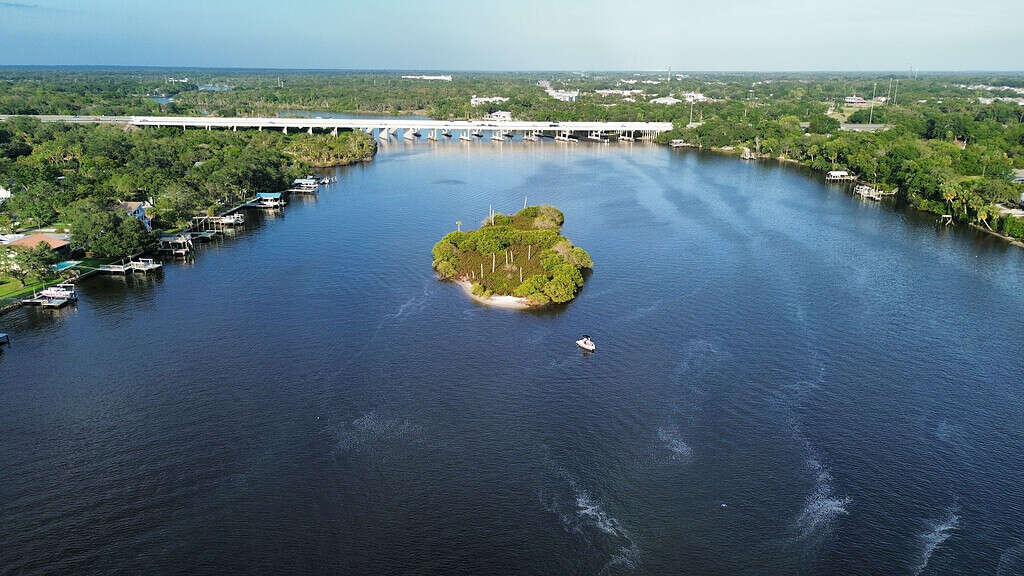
(788, 380)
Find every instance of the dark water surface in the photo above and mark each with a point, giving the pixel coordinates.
(787, 381)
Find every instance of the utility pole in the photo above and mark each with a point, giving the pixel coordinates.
(691, 110)
(871, 113)
(894, 94)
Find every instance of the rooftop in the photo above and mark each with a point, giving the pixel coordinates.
(34, 240)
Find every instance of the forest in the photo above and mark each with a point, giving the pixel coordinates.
(946, 143)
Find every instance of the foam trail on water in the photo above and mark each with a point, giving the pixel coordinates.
(938, 532)
(370, 429)
(586, 517)
(672, 441)
(822, 506)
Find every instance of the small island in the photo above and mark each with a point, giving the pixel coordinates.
(517, 261)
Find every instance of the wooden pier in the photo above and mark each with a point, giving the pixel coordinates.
(179, 245)
(142, 265)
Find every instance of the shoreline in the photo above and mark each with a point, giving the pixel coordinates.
(782, 160)
(498, 301)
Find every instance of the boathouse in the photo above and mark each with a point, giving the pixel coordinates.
(839, 176)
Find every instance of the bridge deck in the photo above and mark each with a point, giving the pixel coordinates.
(361, 124)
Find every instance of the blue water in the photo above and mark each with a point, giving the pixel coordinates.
(788, 381)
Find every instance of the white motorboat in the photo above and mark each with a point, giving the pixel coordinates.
(60, 292)
(586, 343)
(233, 219)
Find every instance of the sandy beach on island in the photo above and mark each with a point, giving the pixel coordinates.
(498, 301)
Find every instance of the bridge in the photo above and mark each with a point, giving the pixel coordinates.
(386, 128)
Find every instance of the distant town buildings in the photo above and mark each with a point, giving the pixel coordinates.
(173, 80)
(694, 97)
(478, 100)
(444, 78)
(564, 95)
(603, 93)
(665, 100)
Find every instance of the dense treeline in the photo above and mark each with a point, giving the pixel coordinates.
(58, 170)
(521, 255)
(950, 158)
(950, 147)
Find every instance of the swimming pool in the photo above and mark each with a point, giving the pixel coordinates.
(61, 266)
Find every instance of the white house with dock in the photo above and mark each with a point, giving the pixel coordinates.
(839, 176)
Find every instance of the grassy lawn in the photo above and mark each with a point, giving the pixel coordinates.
(11, 288)
(89, 263)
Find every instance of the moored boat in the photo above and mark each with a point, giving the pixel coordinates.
(60, 292)
(586, 343)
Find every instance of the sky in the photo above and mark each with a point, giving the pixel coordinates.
(764, 35)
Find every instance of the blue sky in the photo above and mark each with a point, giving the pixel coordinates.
(520, 35)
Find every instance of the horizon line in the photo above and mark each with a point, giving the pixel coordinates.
(904, 71)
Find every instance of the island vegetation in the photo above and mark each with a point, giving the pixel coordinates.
(522, 256)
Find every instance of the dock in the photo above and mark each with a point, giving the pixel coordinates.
(142, 265)
(45, 302)
(179, 245)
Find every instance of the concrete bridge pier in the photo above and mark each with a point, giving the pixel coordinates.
(334, 132)
(310, 131)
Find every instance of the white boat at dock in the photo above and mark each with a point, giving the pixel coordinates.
(233, 219)
(60, 291)
(307, 185)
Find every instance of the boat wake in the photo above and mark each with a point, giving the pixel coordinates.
(582, 514)
(674, 443)
(823, 506)
(938, 532)
(370, 431)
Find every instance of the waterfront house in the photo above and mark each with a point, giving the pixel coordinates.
(138, 211)
(839, 176)
(59, 245)
(499, 115)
